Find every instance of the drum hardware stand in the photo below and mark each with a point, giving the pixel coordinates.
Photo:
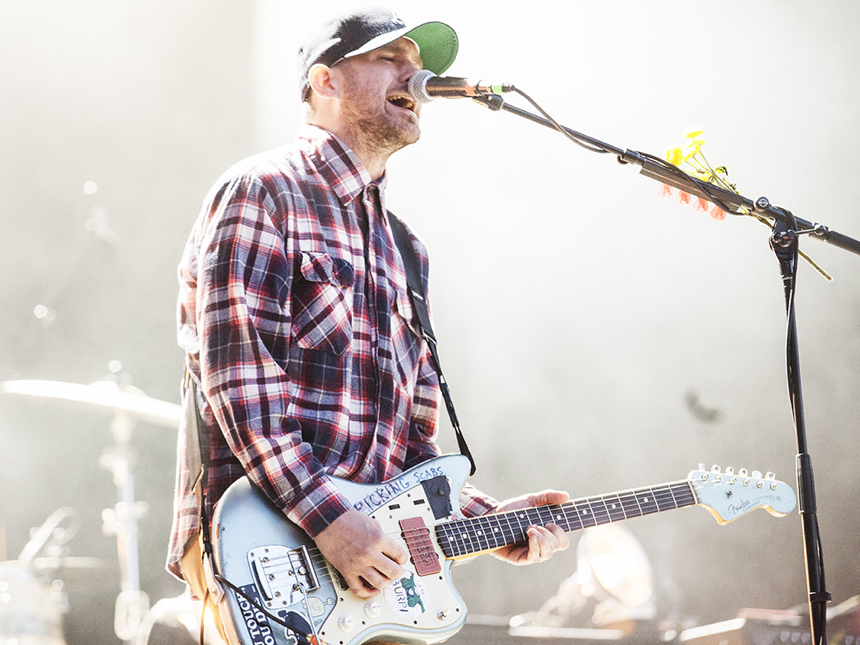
(121, 522)
(128, 404)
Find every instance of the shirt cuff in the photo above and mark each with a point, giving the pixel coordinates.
(317, 506)
(474, 503)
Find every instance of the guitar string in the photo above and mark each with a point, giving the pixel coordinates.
(659, 496)
(652, 497)
(655, 498)
(424, 538)
(638, 502)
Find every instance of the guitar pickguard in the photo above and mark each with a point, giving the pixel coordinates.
(260, 551)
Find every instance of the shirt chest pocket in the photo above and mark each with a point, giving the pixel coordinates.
(322, 302)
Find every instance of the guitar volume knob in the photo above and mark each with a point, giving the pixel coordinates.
(346, 623)
(373, 609)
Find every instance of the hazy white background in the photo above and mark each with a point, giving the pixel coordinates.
(578, 312)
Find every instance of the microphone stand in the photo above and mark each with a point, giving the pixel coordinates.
(784, 242)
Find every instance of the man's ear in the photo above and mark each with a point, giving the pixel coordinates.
(323, 81)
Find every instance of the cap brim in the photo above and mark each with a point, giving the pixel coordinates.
(437, 43)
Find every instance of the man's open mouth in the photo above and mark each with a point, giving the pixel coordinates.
(402, 101)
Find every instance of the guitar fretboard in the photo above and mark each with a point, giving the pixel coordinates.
(461, 538)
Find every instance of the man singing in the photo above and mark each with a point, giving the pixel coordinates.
(294, 315)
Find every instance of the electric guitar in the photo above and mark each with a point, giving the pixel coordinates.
(280, 590)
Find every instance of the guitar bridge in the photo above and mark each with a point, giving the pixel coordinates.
(281, 574)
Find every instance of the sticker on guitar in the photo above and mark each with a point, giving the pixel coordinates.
(407, 596)
(382, 493)
(259, 551)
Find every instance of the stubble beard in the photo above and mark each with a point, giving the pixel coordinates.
(376, 133)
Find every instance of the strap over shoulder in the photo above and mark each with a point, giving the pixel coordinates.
(414, 284)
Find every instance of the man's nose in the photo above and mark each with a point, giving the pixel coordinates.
(409, 70)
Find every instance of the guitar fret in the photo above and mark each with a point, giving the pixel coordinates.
(599, 510)
(615, 508)
(548, 515)
(520, 531)
(561, 518)
(513, 530)
(533, 515)
(583, 511)
(573, 521)
(465, 537)
(645, 499)
(450, 546)
(485, 533)
(470, 534)
(630, 504)
(683, 492)
(497, 534)
(665, 499)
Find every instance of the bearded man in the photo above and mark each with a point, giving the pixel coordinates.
(293, 313)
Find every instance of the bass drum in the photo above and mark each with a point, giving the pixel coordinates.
(31, 608)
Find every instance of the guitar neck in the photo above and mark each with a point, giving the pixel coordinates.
(463, 538)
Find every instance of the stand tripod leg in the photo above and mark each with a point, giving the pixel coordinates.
(121, 521)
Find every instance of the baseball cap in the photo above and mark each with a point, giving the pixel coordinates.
(362, 31)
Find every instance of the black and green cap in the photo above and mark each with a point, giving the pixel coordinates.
(362, 31)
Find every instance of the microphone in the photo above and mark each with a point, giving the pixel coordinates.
(425, 86)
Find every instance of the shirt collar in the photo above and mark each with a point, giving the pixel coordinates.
(337, 163)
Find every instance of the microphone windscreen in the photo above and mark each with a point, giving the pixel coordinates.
(417, 87)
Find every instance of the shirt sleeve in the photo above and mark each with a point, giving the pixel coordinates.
(244, 320)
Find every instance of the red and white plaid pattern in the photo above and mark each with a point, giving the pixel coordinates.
(301, 338)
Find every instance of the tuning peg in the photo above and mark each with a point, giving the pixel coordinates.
(756, 474)
(715, 469)
(771, 476)
(743, 472)
(730, 470)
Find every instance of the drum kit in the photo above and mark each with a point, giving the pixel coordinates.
(32, 598)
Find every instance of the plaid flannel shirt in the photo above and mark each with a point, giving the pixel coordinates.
(301, 338)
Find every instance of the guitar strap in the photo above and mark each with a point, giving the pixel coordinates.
(197, 448)
(419, 304)
(197, 455)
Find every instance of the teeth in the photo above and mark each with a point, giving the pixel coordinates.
(402, 101)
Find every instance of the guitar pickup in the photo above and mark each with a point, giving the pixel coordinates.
(420, 546)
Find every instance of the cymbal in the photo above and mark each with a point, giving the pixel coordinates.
(102, 394)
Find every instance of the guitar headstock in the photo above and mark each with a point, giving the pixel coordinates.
(729, 494)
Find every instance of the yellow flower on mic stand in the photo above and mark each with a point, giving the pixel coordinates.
(690, 158)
